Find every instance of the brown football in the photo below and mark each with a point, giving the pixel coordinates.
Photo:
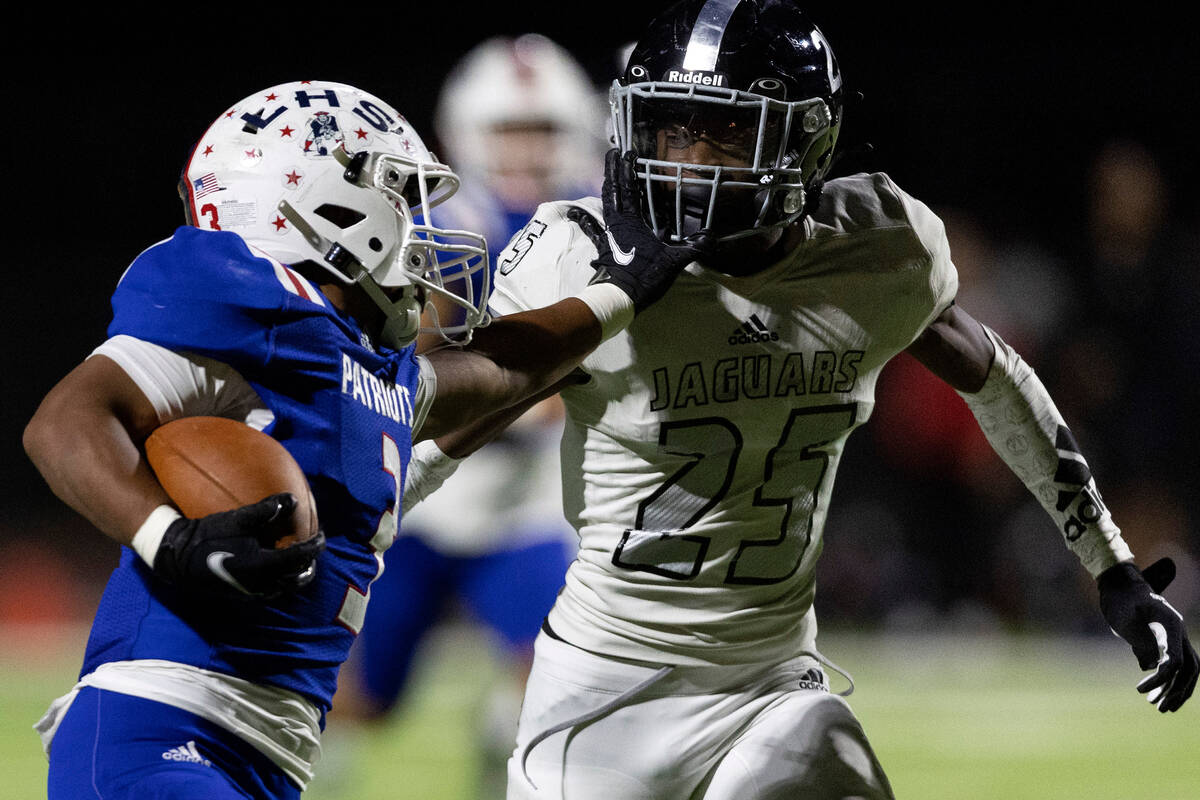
(211, 464)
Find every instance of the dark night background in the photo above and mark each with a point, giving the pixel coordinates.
(983, 109)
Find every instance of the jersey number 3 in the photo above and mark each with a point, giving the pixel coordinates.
(791, 482)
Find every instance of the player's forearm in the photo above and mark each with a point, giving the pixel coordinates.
(434, 461)
(93, 467)
(466, 440)
(1024, 426)
(515, 358)
(535, 348)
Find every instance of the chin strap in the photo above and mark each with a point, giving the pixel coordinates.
(403, 315)
(335, 255)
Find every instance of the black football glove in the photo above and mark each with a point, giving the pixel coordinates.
(233, 553)
(1134, 608)
(629, 255)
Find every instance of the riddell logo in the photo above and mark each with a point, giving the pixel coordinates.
(751, 331)
(701, 78)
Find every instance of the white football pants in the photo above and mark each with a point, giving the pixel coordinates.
(594, 728)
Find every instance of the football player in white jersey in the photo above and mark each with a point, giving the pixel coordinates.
(680, 660)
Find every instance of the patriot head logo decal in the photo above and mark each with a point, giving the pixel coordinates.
(324, 135)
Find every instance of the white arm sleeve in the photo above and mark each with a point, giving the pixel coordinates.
(184, 384)
(428, 469)
(1025, 428)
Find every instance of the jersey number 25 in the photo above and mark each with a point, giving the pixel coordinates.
(791, 484)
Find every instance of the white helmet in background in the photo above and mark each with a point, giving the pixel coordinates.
(508, 83)
(325, 173)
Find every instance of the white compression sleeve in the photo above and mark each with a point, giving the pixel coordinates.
(1025, 428)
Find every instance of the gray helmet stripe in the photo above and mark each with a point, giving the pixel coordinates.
(705, 43)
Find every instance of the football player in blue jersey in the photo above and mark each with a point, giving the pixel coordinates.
(291, 301)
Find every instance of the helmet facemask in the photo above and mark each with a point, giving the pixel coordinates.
(771, 153)
(401, 273)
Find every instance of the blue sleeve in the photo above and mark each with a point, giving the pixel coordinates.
(205, 292)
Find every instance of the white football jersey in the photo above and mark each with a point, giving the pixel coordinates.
(698, 461)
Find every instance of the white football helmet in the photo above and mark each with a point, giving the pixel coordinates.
(323, 172)
(523, 80)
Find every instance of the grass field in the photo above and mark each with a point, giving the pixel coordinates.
(952, 717)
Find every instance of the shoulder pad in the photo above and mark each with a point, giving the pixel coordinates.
(206, 290)
(554, 228)
(215, 266)
(548, 259)
(873, 201)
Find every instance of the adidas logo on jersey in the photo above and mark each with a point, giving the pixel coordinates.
(751, 331)
(186, 752)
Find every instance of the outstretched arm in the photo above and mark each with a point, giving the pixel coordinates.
(513, 359)
(1025, 428)
(435, 460)
(522, 354)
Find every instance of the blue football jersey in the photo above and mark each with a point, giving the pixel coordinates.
(343, 409)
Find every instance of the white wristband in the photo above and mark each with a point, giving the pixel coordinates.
(148, 537)
(612, 307)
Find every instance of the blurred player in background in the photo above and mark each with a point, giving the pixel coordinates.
(522, 123)
(291, 301)
(681, 660)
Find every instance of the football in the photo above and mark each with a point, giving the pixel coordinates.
(211, 464)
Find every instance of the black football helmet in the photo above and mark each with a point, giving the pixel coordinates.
(754, 79)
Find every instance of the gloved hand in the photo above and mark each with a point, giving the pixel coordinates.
(630, 256)
(233, 552)
(1134, 608)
